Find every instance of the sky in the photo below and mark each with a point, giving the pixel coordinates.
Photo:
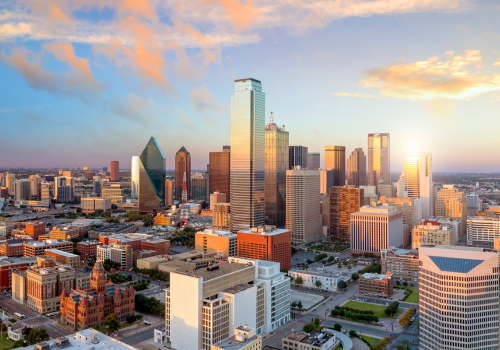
(84, 82)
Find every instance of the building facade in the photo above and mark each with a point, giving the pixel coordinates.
(221, 216)
(482, 230)
(379, 158)
(35, 248)
(432, 233)
(335, 160)
(152, 169)
(114, 170)
(376, 285)
(182, 165)
(134, 177)
(88, 249)
(403, 264)
(451, 203)
(314, 161)
(356, 168)
(343, 202)
(297, 157)
(219, 166)
(417, 177)
(213, 241)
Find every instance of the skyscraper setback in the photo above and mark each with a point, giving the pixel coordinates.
(335, 160)
(276, 145)
(356, 168)
(379, 158)
(115, 170)
(182, 164)
(247, 155)
(219, 165)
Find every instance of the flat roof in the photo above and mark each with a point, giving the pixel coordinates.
(237, 80)
(232, 343)
(222, 270)
(60, 252)
(12, 260)
(374, 276)
(271, 232)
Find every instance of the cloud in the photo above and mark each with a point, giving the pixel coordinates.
(356, 94)
(497, 63)
(203, 101)
(32, 117)
(135, 108)
(14, 30)
(456, 78)
(441, 108)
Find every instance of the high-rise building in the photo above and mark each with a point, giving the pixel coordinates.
(45, 194)
(326, 180)
(63, 181)
(451, 203)
(35, 181)
(266, 243)
(386, 189)
(198, 186)
(247, 155)
(458, 303)
(303, 207)
(22, 190)
(314, 161)
(343, 202)
(432, 233)
(10, 180)
(169, 193)
(214, 241)
(182, 165)
(65, 194)
(115, 170)
(217, 197)
(417, 176)
(277, 159)
(356, 168)
(379, 158)
(152, 168)
(482, 230)
(376, 228)
(134, 177)
(113, 191)
(221, 215)
(219, 165)
(89, 175)
(335, 160)
(297, 156)
(412, 209)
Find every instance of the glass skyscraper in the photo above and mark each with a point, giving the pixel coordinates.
(152, 169)
(276, 145)
(247, 155)
(379, 158)
(335, 160)
(134, 177)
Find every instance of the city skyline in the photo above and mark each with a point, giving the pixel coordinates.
(353, 74)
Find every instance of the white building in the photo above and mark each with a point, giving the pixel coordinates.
(203, 307)
(417, 178)
(482, 230)
(456, 225)
(329, 280)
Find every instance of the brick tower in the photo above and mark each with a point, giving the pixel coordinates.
(98, 278)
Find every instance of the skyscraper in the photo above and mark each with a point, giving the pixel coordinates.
(276, 144)
(198, 186)
(450, 202)
(115, 170)
(343, 202)
(417, 173)
(22, 190)
(10, 180)
(182, 164)
(297, 156)
(219, 165)
(314, 161)
(458, 303)
(152, 168)
(335, 160)
(169, 193)
(134, 177)
(356, 168)
(247, 155)
(379, 158)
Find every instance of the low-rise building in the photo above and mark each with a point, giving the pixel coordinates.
(151, 263)
(376, 285)
(328, 279)
(13, 247)
(482, 230)
(161, 246)
(91, 204)
(10, 265)
(121, 254)
(64, 258)
(36, 248)
(244, 338)
(214, 241)
(112, 229)
(316, 340)
(403, 264)
(141, 254)
(432, 233)
(88, 249)
(6, 229)
(164, 219)
(66, 233)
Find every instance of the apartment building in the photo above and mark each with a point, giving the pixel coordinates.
(458, 303)
(203, 307)
(121, 254)
(214, 241)
(64, 258)
(432, 233)
(35, 248)
(376, 285)
(13, 247)
(403, 264)
(87, 249)
(266, 243)
(221, 215)
(482, 230)
(10, 265)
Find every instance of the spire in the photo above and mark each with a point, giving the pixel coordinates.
(117, 293)
(84, 301)
(64, 294)
(98, 266)
(272, 119)
(100, 297)
(131, 290)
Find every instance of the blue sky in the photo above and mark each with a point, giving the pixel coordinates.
(84, 83)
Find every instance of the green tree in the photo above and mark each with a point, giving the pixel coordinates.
(339, 265)
(349, 267)
(96, 326)
(344, 263)
(299, 280)
(318, 283)
(341, 285)
(316, 321)
(294, 304)
(398, 283)
(337, 327)
(353, 334)
(405, 284)
(299, 305)
(112, 322)
(36, 335)
(308, 328)
(354, 276)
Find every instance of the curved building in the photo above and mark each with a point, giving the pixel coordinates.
(152, 170)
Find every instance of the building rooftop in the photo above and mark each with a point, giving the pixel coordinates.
(220, 233)
(236, 289)
(90, 242)
(216, 271)
(45, 243)
(60, 252)
(319, 272)
(315, 338)
(84, 222)
(11, 260)
(374, 276)
(113, 227)
(267, 230)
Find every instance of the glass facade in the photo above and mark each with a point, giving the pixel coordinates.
(247, 155)
(412, 176)
(298, 156)
(219, 165)
(356, 168)
(379, 158)
(152, 170)
(182, 163)
(199, 187)
(277, 162)
(134, 177)
(335, 160)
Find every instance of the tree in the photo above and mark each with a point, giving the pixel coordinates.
(398, 283)
(331, 258)
(341, 285)
(308, 328)
(337, 327)
(318, 283)
(353, 334)
(349, 267)
(96, 326)
(299, 280)
(405, 284)
(392, 308)
(316, 321)
(36, 335)
(299, 305)
(412, 285)
(344, 263)
(354, 276)
(339, 265)
(112, 322)
(294, 304)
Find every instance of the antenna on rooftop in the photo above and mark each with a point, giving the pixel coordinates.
(272, 119)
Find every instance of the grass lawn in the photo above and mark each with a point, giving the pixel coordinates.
(377, 309)
(5, 342)
(372, 341)
(413, 297)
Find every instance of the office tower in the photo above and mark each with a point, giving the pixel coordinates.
(326, 180)
(198, 186)
(96, 185)
(169, 193)
(266, 243)
(10, 181)
(451, 203)
(458, 303)
(314, 161)
(65, 194)
(45, 194)
(219, 165)
(297, 156)
(247, 154)
(221, 216)
(418, 181)
(152, 168)
(182, 164)
(379, 158)
(356, 168)
(115, 170)
(89, 175)
(213, 241)
(276, 145)
(412, 209)
(217, 197)
(22, 190)
(386, 189)
(66, 173)
(204, 306)
(482, 230)
(134, 177)
(343, 202)
(369, 195)
(432, 233)
(335, 160)
(63, 181)
(376, 228)
(35, 181)
(303, 211)
(114, 192)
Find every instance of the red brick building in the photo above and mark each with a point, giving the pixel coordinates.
(36, 248)
(12, 247)
(266, 243)
(88, 249)
(9, 265)
(80, 309)
(161, 246)
(35, 229)
(376, 285)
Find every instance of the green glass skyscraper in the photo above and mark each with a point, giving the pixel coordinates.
(152, 169)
